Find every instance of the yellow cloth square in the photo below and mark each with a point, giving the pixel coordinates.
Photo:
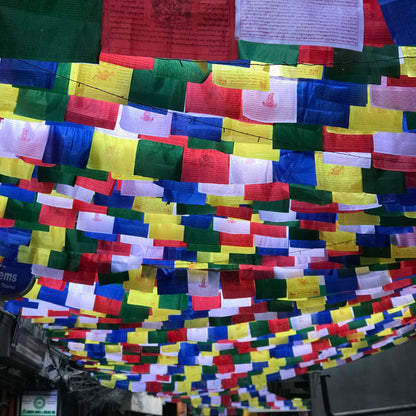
(358, 218)
(166, 231)
(54, 239)
(142, 279)
(303, 287)
(112, 154)
(342, 314)
(155, 205)
(263, 151)
(16, 168)
(104, 82)
(30, 255)
(239, 131)
(238, 331)
(254, 78)
(299, 71)
(135, 297)
(336, 177)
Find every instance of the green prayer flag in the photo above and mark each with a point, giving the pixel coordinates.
(23, 211)
(64, 260)
(112, 278)
(259, 328)
(51, 30)
(270, 288)
(154, 91)
(223, 146)
(41, 105)
(174, 302)
(292, 136)
(76, 241)
(181, 70)
(306, 193)
(410, 120)
(158, 160)
(377, 181)
(267, 52)
(201, 236)
(275, 206)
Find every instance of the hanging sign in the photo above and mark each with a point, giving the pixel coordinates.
(16, 279)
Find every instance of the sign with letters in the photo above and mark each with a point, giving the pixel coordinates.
(16, 279)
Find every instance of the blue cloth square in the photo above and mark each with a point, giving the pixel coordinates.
(295, 167)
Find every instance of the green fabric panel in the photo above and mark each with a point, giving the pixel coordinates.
(208, 369)
(9, 179)
(305, 193)
(220, 321)
(244, 381)
(154, 91)
(291, 136)
(364, 67)
(389, 266)
(64, 260)
(242, 258)
(41, 105)
(63, 73)
(150, 359)
(365, 309)
(174, 302)
(223, 147)
(158, 160)
(201, 236)
(108, 326)
(167, 387)
(293, 360)
(125, 213)
(397, 222)
(51, 30)
(410, 120)
(102, 376)
(377, 181)
(382, 252)
(23, 211)
(259, 343)
(147, 349)
(267, 52)
(76, 241)
(284, 223)
(182, 70)
(212, 248)
(279, 306)
(381, 211)
(67, 174)
(29, 225)
(222, 266)
(259, 328)
(133, 313)
(303, 234)
(275, 206)
(270, 288)
(158, 337)
(112, 278)
(357, 323)
(183, 209)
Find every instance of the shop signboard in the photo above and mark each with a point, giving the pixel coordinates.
(39, 403)
(16, 279)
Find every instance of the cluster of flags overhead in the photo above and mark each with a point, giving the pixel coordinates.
(206, 214)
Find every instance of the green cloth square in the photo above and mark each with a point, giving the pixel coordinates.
(28, 225)
(222, 146)
(153, 91)
(410, 120)
(41, 105)
(125, 213)
(303, 234)
(259, 328)
(291, 136)
(270, 288)
(364, 67)
(377, 181)
(174, 302)
(183, 209)
(306, 193)
(201, 236)
(64, 260)
(267, 52)
(182, 70)
(51, 30)
(112, 278)
(23, 211)
(76, 241)
(275, 206)
(279, 306)
(158, 160)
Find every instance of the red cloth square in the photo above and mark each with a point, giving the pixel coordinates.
(242, 213)
(105, 188)
(206, 166)
(91, 112)
(208, 98)
(239, 240)
(106, 305)
(58, 217)
(275, 191)
(233, 288)
(200, 303)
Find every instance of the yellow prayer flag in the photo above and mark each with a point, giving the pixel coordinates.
(54, 239)
(336, 177)
(303, 287)
(239, 131)
(409, 67)
(227, 201)
(135, 297)
(254, 78)
(238, 249)
(166, 231)
(196, 323)
(259, 356)
(208, 257)
(142, 279)
(371, 118)
(16, 168)
(339, 240)
(149, 204)
(349, 198)
(299, 71)
(150, 218)
(263, 151)
(238, 331)
(3, 204)
(104, 82)
(112, 154)
(33, 293)
(403, 252)
(30, 255)
(139, 336)
(342, 314)
(358, 218)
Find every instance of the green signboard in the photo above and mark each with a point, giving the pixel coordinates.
(39, 403)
